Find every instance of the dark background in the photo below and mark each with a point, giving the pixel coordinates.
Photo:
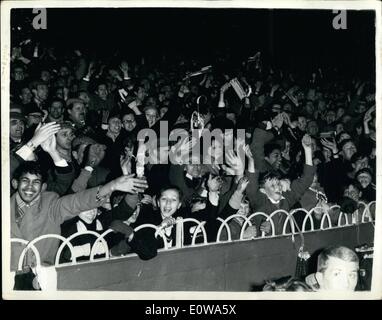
(291, 38)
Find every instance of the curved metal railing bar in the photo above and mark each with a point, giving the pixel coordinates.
(75, 235)
(199, 227)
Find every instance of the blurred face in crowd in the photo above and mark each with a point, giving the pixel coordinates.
(64, 71)
(41, 92)
(346, 118)
(244, 208)
(352, 192)
(78, 112)
(194, 168)
(360, 108)
(343, 136)
(96, 153)
(64, 138)
(16, 129)
(339, 128)
(361, 164)
(348, 150)
(115, 125)
(18, 74)
(34, 118)
(129, 122)
(163, 111)
(287, 108)
(216, 149)
(273, 189)
(89, 215)
(151, 116)
(309, 108)
(312, 128)
(301, 124)
(102, 91)
(321, 106)
(45, 76)
(141, 93)
(339, 275)
(364, 179)
(26, 95)
(330, 117)
(340, 112)
(274, 158)
(56, 110)
(169, 202)
(327, 154)
(84, 96)
(29, 186)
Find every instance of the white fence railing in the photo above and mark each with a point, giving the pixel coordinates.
(330, 219)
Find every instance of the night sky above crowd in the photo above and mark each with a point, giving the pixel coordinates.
(287, 36)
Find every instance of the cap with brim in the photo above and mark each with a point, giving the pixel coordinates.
(16, 116)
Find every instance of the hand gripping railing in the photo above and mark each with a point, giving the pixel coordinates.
(268, 218)
(75, 235)
(224, 224)
(149, 225)
(199, 227)
(287, 219)
(34, 249)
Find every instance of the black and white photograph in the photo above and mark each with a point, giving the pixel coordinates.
(201, 149)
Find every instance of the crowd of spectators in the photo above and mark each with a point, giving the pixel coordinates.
(76, 157)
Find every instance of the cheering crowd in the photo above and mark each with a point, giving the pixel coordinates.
(79, 160)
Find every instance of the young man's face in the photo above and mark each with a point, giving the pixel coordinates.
(41, 92)
(273, 189)
(56, 110)
(169, 202)
(102, 91)
(348, 150)
(64, 138)
(330, 117)
(77, 113)
(339, 275)
(364, 179)
(26, 96)
(16, 129)
(115, 125)
(312, 128)
(301, 124)
(361, 164)
(85, 97)
(129, 122)
(29, 186)
(274, 158)
(151, 116)
(352, 192)
(19, 74)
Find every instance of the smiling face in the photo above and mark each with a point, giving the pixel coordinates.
(364, 179)
(16, 129)
(169, 202)
(129, 122)
(115, 125)
(274, 158)
(29, 186)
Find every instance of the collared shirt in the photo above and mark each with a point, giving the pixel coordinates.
(21, 205)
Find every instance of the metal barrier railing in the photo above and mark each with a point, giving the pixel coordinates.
(325, 223)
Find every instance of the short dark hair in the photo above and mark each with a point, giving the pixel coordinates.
(171, 187)
(56, 99)
(31, 167)
(269, 147)
(358, 156)
(339, 252)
